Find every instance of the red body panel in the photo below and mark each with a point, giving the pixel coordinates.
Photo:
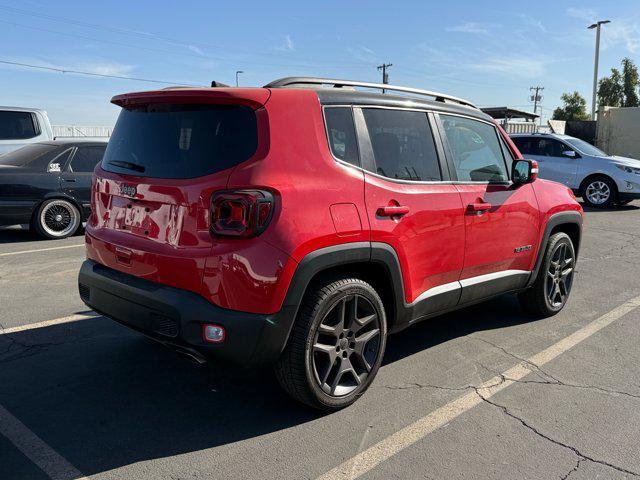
(511, 221)
(429, 239)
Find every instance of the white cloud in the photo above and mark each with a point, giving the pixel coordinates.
(195, 49)
(622, 32)
(363, 54)
(471, 27)
(586, 14)
(532, 22)
(105, 68)
(287, 45)
(514, 66)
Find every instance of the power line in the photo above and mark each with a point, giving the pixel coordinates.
(93, 74)
(153, 36)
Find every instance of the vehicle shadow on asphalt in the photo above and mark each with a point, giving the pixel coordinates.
(17, 235)
(615, 208)
(105, 397)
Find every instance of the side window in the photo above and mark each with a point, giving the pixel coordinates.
(57, 163)
(342, 134)
(86, 158)
(548, 147)
(526, 145)
(403, 145)
(475, 147)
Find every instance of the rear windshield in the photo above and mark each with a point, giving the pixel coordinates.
(181, 141)
(30, 155)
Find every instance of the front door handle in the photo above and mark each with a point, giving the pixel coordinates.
(71, 180)
(479, 207)
(393, 211)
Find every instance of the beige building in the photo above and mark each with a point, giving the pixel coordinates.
(619, 131)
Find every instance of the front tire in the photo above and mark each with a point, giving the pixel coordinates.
(336, 346)
(552, 286)
(56, 219)
(599, 192)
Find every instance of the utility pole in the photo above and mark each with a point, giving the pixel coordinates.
(385, 75)
(536, 98)
(238, 72)
(595, 66)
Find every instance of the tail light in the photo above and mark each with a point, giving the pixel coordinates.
(241, 213)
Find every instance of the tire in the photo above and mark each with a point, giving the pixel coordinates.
(57, 218)
(599, 192)
(333, 355)
(552, 286)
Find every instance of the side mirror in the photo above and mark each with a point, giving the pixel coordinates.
(569, 153)
(524, 171)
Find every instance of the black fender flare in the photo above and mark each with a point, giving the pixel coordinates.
(560, 218)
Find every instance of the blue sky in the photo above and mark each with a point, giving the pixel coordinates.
(488, 52)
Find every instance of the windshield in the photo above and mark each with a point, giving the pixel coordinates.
(181, 141)
(27, 155)
(584, 147)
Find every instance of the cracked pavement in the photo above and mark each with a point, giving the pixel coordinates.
(117, 406)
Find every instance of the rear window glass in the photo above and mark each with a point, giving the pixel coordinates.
(30, 155)
(181, 141)
(16, 125)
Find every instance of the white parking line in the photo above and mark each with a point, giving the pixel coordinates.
(6, 254)
(48, 323)
(36, 450)
(373, 456)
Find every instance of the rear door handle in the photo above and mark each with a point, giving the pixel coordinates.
(393, 211)
(479, 207)
(72, 180)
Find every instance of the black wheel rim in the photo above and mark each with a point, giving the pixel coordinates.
(346, 345)
(560, 275)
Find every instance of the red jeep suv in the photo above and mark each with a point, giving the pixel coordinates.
(300, 223)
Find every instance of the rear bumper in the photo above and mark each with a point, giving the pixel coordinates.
(175, 317)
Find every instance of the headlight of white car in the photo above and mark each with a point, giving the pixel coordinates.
(628, 169)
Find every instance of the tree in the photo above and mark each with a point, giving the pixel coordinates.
(631, 82)
(620, 89)
(611, 90)
(574, 108)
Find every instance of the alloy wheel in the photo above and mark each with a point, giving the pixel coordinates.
(346, 345)
(598, 192)
(560, 275)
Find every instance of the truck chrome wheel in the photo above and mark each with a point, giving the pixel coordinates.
(58, 219)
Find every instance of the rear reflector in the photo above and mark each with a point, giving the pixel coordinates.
(213, 333)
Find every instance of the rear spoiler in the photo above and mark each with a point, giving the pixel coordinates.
(250, 97)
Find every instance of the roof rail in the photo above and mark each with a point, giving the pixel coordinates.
(306, 81)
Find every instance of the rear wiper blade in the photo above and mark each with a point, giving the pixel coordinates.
(127, 165)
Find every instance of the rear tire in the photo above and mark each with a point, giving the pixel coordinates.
(552, 286)
(56, 218)
(336, 345)
(599, 192)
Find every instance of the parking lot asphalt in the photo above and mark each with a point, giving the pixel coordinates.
(484, 392)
